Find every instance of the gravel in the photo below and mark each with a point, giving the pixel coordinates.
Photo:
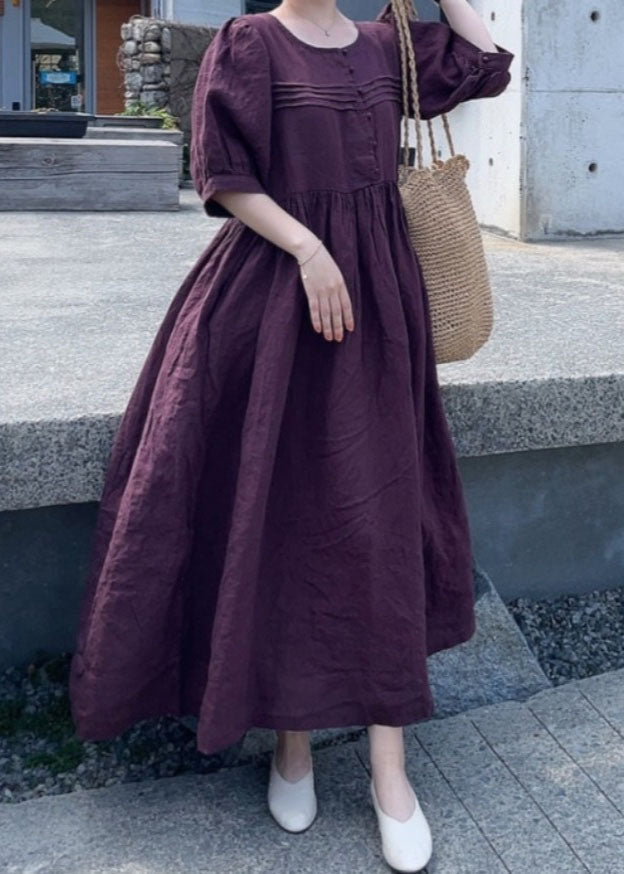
(40, 754)
(572, 636)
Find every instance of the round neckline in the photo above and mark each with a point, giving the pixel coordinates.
(309, 45)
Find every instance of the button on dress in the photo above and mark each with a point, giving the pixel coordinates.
(282, 537)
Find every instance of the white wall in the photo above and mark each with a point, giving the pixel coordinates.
(487, 130)
(546, 156)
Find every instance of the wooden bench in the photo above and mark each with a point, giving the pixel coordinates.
(90, 173)
(146, 134)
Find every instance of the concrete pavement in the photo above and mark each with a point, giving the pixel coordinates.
(529, 787)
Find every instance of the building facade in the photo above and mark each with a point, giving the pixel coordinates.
(63, 54)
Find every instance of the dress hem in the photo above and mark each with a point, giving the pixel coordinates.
(401, 716)
(417, 711)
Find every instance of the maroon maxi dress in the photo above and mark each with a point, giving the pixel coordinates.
(282, 537)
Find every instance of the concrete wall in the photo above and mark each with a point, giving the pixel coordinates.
(548, 522)
(573, 177)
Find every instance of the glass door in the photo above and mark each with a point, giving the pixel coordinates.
(57, 55)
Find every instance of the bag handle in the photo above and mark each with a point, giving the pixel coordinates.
(402, 10)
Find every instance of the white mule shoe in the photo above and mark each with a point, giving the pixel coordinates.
(406, 845)
(292, 805)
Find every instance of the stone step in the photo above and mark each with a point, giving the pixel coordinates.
(516, 786)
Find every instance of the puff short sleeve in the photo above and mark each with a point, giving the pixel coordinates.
(449, 68)
(231, 115)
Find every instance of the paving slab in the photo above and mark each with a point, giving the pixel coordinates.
(511, 819)
(216, 824)
(508, 787)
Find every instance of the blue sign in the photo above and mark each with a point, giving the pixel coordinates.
(53, 77)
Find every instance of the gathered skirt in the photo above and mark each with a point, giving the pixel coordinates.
(282, 536)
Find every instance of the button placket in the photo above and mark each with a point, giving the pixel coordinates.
(368, 115)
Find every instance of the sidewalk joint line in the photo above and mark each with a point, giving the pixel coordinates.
(533, 799)
(601, 714)
(463, 804)
(578, 765)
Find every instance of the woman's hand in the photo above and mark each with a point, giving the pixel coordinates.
(328, 299)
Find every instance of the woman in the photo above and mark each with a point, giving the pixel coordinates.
(282, 537)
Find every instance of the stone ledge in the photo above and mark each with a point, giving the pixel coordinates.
(62, 461)
(551, 375)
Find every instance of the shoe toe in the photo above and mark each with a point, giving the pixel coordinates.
(406, 845)
(296, 820)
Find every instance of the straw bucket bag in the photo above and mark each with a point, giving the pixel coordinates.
(442, 225)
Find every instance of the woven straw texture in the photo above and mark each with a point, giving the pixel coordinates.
(443, 226)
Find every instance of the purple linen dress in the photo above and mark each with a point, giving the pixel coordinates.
(282, 537)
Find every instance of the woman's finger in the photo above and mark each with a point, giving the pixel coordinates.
(326, 318)
(315, 315)
(347, 309)
(336, 313)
